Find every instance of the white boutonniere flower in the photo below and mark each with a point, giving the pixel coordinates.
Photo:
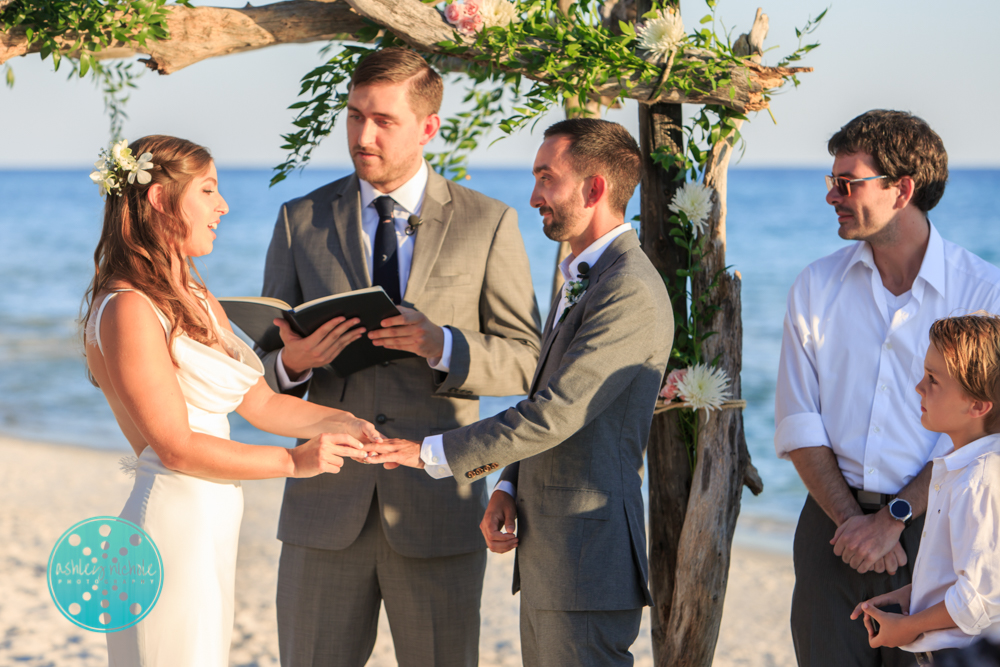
(575, 289)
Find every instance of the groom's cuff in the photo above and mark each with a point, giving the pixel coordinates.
(506, 487)
(432, 454)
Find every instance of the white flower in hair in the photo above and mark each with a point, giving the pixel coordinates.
(662, 35)
(695, 201)
(104, 179)
(118, 165)
(497, 13)
(704, 387)
(140, 172)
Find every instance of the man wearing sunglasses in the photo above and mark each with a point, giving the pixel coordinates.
(846, 412)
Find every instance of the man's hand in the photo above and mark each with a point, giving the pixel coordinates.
(894, 629)
(410, 331)
(863, 540)
(395, 452)
(900, 596)
(499, 523)
(320, 348)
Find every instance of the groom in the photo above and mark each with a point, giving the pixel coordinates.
(574, 448)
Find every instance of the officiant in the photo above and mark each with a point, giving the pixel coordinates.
(463, 285)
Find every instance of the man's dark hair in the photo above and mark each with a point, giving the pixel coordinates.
(901, 144)
(396, 65)
(605, 148)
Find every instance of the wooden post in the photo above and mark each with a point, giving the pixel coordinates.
(661, 125)
(723, 465)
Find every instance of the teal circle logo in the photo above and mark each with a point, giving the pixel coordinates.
(105, 574)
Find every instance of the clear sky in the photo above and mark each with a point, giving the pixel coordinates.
(932, 58)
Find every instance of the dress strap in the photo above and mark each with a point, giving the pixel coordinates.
(100, 312)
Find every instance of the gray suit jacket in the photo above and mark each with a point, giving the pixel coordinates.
(469, 272)
(580, 438)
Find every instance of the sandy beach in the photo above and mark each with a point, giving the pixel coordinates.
(45, 489)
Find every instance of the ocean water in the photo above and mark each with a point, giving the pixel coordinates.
(778, 222)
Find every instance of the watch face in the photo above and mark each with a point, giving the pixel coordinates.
(899, 509)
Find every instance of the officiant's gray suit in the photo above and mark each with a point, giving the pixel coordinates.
(470, 273)
(580, 439)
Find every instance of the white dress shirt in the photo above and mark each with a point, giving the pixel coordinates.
(959, 556)
(409, 200)
(432, 449)
(848, 369)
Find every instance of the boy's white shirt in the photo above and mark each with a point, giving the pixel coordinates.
(959, 556)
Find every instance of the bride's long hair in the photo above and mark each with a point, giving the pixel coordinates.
(141, 246)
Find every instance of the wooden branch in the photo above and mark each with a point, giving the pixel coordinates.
(208, 32)
(422, 27)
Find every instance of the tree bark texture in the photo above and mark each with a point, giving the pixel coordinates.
(206, 32)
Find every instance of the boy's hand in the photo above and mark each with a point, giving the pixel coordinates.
(900, 596)
(893, 629)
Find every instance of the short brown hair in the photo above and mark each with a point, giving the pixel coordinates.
(970, 346)
(396, 65)
(901, 144)
(605, 148)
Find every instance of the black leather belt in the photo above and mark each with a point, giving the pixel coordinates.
(869, 501)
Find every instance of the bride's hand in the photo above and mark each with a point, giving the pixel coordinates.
(325, 453)
(347, 423)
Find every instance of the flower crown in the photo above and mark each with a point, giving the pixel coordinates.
(112, 168)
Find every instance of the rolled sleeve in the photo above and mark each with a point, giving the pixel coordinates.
(967, 607)
(797, 415)
(805, 429)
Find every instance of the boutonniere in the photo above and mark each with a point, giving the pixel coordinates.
(411, 225)
(575, 289)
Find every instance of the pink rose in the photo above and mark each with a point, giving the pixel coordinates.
(454, 12)
(470, 25)
(669, 391)
(472, 8)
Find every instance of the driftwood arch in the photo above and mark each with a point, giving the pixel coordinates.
(692, 516)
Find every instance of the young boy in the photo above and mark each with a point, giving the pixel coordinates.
(955, 594)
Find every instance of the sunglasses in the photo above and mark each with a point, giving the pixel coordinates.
(843, 184)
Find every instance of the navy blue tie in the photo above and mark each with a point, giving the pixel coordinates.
(385, 270)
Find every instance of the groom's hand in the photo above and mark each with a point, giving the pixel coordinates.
(501, 515)
(410, 331)
(318, 349)
(395, 452)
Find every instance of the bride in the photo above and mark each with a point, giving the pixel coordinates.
(160, 347)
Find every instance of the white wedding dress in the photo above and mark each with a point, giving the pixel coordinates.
(194, 521)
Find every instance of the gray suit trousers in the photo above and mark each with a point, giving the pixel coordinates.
(329, 600)
(827, 590)
(578, 638)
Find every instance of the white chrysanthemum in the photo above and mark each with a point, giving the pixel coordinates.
(695, 200)
(662, 34)
(497, 13)
(704, 387)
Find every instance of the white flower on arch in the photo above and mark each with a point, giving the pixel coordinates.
(662, 35)
(695, 201)
(703, 386)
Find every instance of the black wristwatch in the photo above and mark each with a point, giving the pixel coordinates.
(900, 510)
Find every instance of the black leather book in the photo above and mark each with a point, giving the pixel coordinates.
(255, 315)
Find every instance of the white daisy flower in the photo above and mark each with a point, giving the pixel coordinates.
(497, 13)
(704, 387)
(661, 35)
(695, 201)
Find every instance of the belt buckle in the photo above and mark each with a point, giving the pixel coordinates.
(870, 498)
